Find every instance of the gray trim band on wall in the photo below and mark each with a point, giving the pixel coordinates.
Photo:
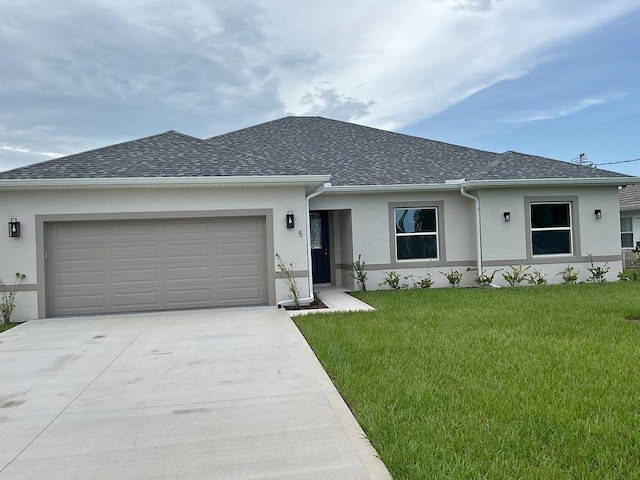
(295, 273)
(491, 263)
(25, 287)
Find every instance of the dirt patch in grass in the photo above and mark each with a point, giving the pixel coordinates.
(633, 318)
(311, 306)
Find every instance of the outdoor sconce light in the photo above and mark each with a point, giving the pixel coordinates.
(598, 213)
(14, 228)
(290, 222)
(507, 216)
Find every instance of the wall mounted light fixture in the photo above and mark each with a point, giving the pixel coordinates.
(290, 220)
(14, 228)
(507, 216)
(598, 213)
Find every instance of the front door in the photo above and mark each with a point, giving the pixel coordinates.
(319, 222)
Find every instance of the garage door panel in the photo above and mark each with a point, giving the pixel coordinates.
(233, 227)
(127, 300)
(81, 279)
(137, 231)
(191, 297)
(238, 248)
(83, 232)
(78, 303)
(190, 274)
(70, 254)
(232, 294)
(244, 272)
(180, 229)
(134, 252)
(148, 276)
(188, 251)
(102, 267)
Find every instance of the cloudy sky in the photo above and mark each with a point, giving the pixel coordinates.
(547, 77)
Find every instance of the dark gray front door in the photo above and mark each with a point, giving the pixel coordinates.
(319, 222)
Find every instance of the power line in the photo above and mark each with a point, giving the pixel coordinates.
(621, 161)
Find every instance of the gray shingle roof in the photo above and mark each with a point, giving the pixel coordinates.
(352, 154)
(358, 155)
(520, 166)
(630, 197)
(169, 154)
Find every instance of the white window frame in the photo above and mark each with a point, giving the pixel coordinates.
(415, 234)
(627, 232)
(550, 229)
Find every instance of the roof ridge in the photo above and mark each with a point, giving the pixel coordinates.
(333, 120)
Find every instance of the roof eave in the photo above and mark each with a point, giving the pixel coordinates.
(167, 182)
(337, 189)
(456, 184)
(546, 182)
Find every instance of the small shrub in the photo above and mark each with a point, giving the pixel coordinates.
(598, 274)
(393, 280)
(7, 299)
(537, 278)
(569, 275)
(454, 277)
(517, 275)
(359, 274)
(420, 282)
(485, 279)
(629, 275)
(286, 269)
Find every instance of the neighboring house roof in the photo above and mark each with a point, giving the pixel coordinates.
(169, 154)
(357, 155)
(630, 197)
(352, 154)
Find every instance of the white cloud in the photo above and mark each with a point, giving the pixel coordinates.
(564, 110)
(414, 59)
(95, 73)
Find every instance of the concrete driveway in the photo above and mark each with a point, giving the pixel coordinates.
(212, 394)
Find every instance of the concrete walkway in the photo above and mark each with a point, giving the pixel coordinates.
(337, 300)
(204, 394)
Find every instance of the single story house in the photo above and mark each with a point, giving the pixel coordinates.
(172, 221)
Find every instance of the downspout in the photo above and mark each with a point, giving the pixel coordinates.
(306, 300)
(478, 238)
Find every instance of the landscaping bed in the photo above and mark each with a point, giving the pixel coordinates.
(531, 382)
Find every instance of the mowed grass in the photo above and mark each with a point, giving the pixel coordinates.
(7, 326)
(523, 383)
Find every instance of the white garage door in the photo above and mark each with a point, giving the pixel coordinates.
(104, 267)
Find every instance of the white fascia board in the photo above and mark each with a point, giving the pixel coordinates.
(167, 182)
(337, 189)
(554, 182)
(456, 184)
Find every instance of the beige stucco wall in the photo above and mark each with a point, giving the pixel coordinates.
(20, 254)
(504, 243)
(371, 231)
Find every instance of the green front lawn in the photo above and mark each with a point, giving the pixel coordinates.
(7, 326)
(526, 383)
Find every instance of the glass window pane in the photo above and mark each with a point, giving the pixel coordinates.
(419, 246)
(316, 231)
(549, 215)
(551, 242)
(627, 240)
(412, 220)
(626, 224)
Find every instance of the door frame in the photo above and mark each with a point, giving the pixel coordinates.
(325, 256)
